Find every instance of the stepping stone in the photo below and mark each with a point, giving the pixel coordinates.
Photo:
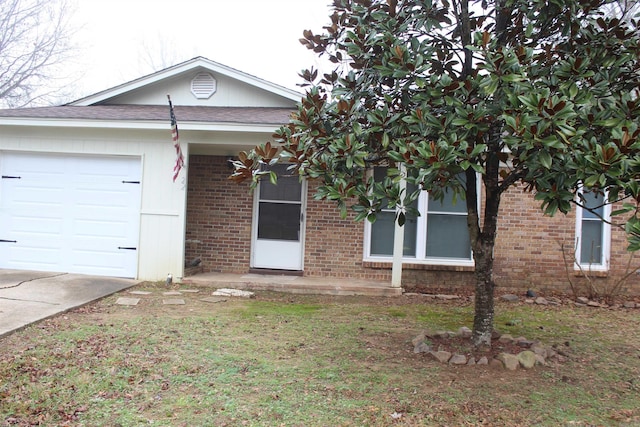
(175, 301)
(171, 293)
(127, 301)
(140, 293)
(190, 291)
(233, 293)
(214, 299)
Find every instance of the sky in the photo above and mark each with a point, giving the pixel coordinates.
(120, 40)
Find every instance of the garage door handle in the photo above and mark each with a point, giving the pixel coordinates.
(8, 241)
(10, 177)
(127, 248)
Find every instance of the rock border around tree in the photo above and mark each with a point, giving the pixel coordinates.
(524, 353)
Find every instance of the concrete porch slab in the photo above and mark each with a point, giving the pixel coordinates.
(294, 284)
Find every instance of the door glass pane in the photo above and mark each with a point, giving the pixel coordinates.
(279, 221)
(448, 236)
(287, 187)
(382, 235)
(591, 245)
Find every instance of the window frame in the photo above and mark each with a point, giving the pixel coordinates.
(605, 250)
(421, 238)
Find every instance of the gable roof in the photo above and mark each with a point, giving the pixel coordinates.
(194, 63)
(104, 109)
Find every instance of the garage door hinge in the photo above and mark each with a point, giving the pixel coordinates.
(127, 248)
(8, 241)
(131, 182)
(10, 177)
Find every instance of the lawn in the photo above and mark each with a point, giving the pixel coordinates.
(295, 360)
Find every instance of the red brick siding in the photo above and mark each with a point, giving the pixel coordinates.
(527, 253)
(219, 214)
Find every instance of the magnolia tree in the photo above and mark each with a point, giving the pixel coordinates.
(470, 98)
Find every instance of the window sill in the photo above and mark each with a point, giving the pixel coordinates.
(387, 265)
(591, 273)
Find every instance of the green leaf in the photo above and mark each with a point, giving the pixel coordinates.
(545, 159)
(401, 218)
(273, 178)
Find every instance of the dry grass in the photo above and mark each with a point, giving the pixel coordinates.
(309, 361)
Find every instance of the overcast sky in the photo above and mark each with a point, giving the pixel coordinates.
(120, 40)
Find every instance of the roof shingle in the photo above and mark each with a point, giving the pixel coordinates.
(248, 115)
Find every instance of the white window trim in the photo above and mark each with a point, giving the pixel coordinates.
(606, 240)
(421, 243)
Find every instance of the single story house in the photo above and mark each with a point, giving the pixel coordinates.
(88, 187)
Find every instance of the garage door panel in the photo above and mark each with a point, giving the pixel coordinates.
(70, 213)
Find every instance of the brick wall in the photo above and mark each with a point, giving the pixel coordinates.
(528, 247)
(219, 215)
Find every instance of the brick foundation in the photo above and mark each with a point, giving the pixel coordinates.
(528, 247)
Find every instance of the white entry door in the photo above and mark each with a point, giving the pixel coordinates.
(278, 232)
(66, 213)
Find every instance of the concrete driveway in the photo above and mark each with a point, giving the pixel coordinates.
(29, 296)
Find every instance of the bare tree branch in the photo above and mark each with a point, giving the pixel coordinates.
(35, 41)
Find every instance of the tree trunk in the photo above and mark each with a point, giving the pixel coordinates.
(483, 241)
(484, 309)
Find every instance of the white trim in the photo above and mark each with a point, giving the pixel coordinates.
(606, 240)
(421, 240)
(254, 226)
(138, 124)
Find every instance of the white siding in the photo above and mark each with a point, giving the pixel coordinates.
(229, 93)
(162, 224)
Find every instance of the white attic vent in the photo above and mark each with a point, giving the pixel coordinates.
(203, 86)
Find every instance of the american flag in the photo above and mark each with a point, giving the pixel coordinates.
(176, 142)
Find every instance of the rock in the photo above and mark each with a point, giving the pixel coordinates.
(458, 359)
(447, 297)
(505, 338)
(540, 360)
(224, 292)
(541, 301)
(422, 336)
(509, 361)
(483, 361)
(523, 342)
(442, 334)
(529, 301)
(465, 332)
(539, 350)
(496, 364)
(531, 294)
(594, 304)
(423, 347)
(471, 361)
(582, 300)
(510, 297)
(440, 356)
(495, 335)
(629, 304)
(527, 359)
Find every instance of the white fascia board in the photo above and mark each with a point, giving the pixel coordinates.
(184, 67)
(141, 125)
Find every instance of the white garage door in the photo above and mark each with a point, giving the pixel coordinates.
(74, 214)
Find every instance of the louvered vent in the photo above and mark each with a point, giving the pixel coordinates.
(203, 86)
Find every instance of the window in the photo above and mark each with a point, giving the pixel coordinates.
(592, 233)
(438, 236)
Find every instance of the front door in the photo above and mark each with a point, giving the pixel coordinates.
(278, 232)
